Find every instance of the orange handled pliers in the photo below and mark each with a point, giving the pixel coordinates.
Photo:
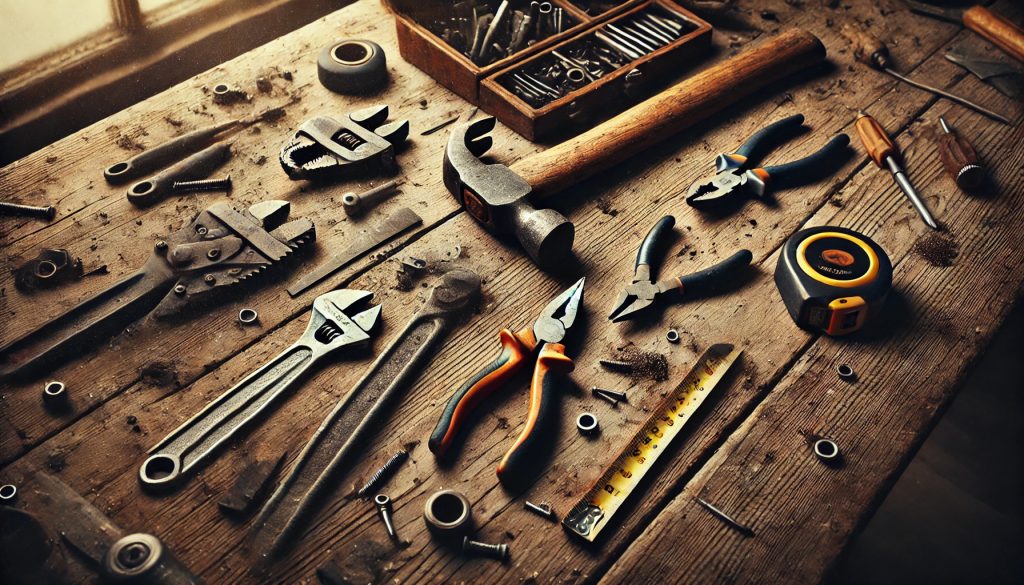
(545, 339)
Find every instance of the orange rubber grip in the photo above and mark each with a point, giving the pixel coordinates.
(875, 139)
(552, 365)
(515, 349)
(999, 31)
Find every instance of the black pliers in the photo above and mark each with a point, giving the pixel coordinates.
(643, 291)
(737, 176)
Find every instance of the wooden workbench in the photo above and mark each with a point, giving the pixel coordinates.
(748, 451)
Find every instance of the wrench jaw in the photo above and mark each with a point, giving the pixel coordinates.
(342, 318)
(326, 149)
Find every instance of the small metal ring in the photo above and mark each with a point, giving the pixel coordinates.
(448, 513)
(50, 269)
(587, 423)
(827, 450)
(352, 53)
(672, 336)
(845, 371)
(55, 394)
(575, 74)
(8, 492)
(221, 89)
(248, 316)
(381, 500)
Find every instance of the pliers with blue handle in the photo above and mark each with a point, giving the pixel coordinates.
(737, 175)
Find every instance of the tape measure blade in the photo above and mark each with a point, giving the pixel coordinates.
(596, 508)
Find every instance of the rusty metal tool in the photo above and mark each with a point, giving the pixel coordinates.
(335, 446)
(222, 249)
(883, 151)
(357, 204)
(1006, 78)
(545, 339)
(164, 154)
(326, 149)
(960, 159)
(502, 198)
(137, 558)
(50, 268)
(199, 165)
(341, 321)
(402, 220)
(738, 177)
(872, 52)
(643, 291)
(993, 27)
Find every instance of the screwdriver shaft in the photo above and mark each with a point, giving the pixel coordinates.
(908, 189)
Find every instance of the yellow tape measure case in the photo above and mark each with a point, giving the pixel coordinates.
(832, 279)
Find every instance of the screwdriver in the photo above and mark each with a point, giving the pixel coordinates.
(869, 50)
(883, 151)
(960, 159)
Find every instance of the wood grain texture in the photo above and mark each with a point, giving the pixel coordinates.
(158, 375)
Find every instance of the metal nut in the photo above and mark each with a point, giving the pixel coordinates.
(55, 394)
(587, 424)
(827, 451)
(248, 316)
(448, 513)
(672, 336)
(8, 492)
(845, 372)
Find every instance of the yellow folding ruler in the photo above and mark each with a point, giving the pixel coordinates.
(596, 508)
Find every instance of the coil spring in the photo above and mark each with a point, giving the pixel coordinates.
(383, 473)
(349, 140)
(327, 333)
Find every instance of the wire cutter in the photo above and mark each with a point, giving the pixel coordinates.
(738, 177)
(545, 339)
(643, 291)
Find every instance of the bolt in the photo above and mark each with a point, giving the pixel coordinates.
(201, 230)
(356, 204)
(213, 254)
(613, 395)
(494, 551)
(203, 185)
(383, 473)
(17, 210)
(179, 289)
(384, 507)
(617, 365)
(209, 279)
(161, 245)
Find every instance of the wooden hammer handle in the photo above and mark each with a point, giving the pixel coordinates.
(669, 112)
(999, 31)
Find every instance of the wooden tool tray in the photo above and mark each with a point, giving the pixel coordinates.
(434, 35)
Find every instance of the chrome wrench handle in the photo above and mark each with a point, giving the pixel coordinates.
(330, 329)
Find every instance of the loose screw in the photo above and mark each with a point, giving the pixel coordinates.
(617, 365)
(613, 396)
(494, 551)
(742, 529)
(203, 185)
(384, 507)
(543, 509)
(384, 473)
(17, 210)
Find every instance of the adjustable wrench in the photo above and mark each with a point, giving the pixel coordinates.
(341, 319)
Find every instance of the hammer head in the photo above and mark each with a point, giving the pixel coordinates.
(499, 199)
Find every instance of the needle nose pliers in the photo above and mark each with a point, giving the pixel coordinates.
(643, 291)
(737, 176)
(545, 339)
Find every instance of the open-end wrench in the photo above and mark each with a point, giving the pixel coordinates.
(336, 445)
(341, 319)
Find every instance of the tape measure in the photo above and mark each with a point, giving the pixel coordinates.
(832, 279)
(594, 510)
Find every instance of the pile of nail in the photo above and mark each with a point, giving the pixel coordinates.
(562, 71)
(489, 31)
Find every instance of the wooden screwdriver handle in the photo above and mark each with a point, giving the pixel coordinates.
(669, 112)
(999, 31)
(876, 140)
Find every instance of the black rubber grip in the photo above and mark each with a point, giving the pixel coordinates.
(769, 136)
(655, 239)
(712, 279)
(810, 169)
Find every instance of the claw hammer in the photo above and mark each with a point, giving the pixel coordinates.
(502, 198)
